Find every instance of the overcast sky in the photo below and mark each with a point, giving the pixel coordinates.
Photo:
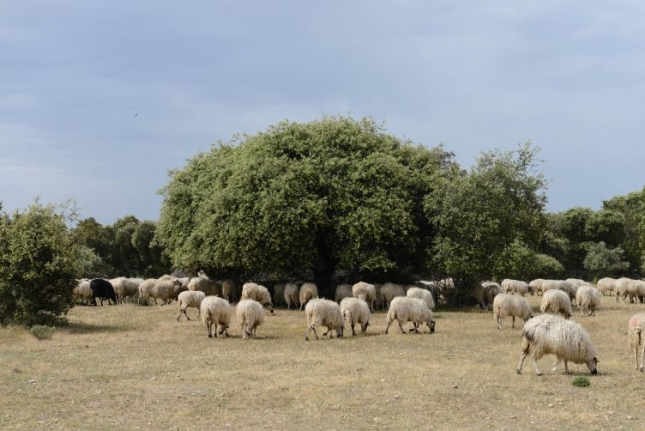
(99, 99)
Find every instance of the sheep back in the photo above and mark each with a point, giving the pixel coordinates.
(323, 312)
(355, 310)
(556, 301)
(249, 315)
(307, 292)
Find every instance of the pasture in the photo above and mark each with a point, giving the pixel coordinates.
(136, 368)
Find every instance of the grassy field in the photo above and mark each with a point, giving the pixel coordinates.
(136, 368)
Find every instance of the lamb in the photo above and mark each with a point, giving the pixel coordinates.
(215, 311)
(606, 286)
(516, 286)
(588, 297)
(389, 291)
(189, 298)
(258, 293)
(366, 292)
(324, 312)
(343, 291)
(355, 311)
(307, 292)
(491, 290)
(566, 339)
(204, 284)
(636, 336)
(291, 295)
(404, 309)
(556, 301)
(424, 294)
(511, 305)
(249, 315)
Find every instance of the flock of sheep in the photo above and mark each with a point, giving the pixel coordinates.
(550, 333)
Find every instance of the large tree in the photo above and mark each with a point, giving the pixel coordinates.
(38, 263)
(490, 219)
(330, 194)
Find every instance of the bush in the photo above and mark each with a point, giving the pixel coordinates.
(581, 382)
(42, 332)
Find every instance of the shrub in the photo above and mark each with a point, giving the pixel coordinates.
(581, 382)
(42, 332)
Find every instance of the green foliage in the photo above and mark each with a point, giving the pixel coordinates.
(484, 218)
(38, 264)
(604, 262)
(632, 206)
(42, 332)
(581, 381)
(334, 193)
(606, 226)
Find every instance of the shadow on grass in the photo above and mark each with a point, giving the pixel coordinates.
(88, 328)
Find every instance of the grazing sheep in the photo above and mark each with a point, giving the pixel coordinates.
(204, 284)
(588, 297)
(491, 290)
(230, 292)
(165, 289)
(378, 297)
(636, 336)
(432, 287)
(278, 293)
(215, 311)
(307, 292)
(323, 312)
(343, 291)
(566, 339)
(366, 292)
(556, 301)
(516, 286)
(189, 298)
(536, 285)
(606, 286)
(119, 288)
(249, 315)
(577, 282)
(144, 289)
(355, 311)
(389, 291)
(568, 288)
(102, 289)
(627, 287)
(404, 309)
(512, 306)
(82, 290)
(291, 295)
(258, 293)
(417, 292)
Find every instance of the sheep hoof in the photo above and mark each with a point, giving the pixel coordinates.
(519, 371)
(210, 335)
(641, 369)
(538, 374)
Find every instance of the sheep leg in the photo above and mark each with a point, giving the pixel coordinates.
(353, 333)
(499, 322)
(311, 328)
(400, 327)
(642, 352)
(388, 326)
(179, 315)
(513, 325)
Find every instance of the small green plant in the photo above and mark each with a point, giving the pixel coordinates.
(581, 382)
(42, 332)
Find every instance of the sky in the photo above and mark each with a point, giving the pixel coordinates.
(100, 99)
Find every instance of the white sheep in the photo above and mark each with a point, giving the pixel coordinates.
(433, 287)
(516, 286)
(165, 289)
(307, 292)
(577, 282)
(343, 291)
(189, 298)
(569, 288)
(82, 290)
(556, 301)
(366, 292)
(404, 309)
(291, 295)
(258, 293)
(323, 312)
(588, 297)
(536, 285)
(636, 337)
(389, 291)
(215, 311)
(606, 286)
(627, 287)
(355, 311)
(417, 292)
(125, 287)
(144, 289)
(566, 339)
(249, 315)
(505, 305)
(204, 284)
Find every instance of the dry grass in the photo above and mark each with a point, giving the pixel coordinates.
(130, 367)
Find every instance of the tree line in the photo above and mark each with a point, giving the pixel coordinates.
(331, 200)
